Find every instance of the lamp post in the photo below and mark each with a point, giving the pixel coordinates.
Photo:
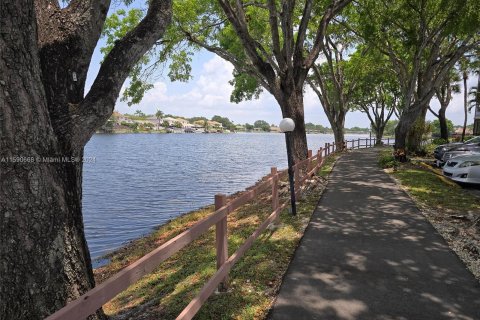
(287, 125)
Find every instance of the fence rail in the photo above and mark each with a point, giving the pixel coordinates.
(360, 143)
(94, 299)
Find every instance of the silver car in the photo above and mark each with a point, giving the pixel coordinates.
(461, 151)
(464, 169)
(440, 151)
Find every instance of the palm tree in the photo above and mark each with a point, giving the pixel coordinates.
(464, 65)
(475, 100)
(140, 114)
(444, 95)
(159, 116)
(474, 104)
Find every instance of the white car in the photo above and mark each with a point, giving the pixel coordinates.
(464, 169)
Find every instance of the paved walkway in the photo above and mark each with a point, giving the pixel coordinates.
(368, 253)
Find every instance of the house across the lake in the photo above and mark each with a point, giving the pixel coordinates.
(274, 128)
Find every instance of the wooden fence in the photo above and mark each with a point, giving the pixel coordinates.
(94, 299)
(356, 144)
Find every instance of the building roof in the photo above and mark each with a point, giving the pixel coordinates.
(274, 128)
(460, 131)
(214, 123)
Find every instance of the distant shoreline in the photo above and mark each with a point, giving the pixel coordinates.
(249, 132)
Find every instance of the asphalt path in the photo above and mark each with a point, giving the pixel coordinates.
(368, 253)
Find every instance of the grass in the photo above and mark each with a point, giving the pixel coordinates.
(432, 191)
(253, 281)
(428, 188)
(328, 165)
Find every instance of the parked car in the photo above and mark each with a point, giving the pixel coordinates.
(464, 169)
(441, 149)
(462, 150)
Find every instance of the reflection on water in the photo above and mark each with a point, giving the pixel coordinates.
(139, 181)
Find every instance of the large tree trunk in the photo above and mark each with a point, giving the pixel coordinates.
(45, 259)
(443, 123)
(444, 96)
(338, 131)
(45, 122)
(408, 117)
(379, 129)
(416, 132)
(291, 103)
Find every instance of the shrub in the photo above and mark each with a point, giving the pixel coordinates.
(438, 141)
(387, 160)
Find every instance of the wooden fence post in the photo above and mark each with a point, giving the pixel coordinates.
(309, 163)
(221, 239)
(319, 159)
(388, 141)
(273, 172)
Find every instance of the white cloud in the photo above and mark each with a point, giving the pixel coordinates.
(158, 94)
(311, 100)
(206, 95)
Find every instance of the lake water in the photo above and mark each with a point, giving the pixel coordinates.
(139, 181)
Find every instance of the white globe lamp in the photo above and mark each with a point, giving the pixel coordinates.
(287, 125)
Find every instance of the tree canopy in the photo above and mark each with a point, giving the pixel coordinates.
(423, 40)
(262, 124)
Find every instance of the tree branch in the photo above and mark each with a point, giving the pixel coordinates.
(330, 13)
(287, 30)
(302, 31)
(240, 27)
(99, 102)
(224, 54)
(444, 66)
(273, 19)
(389, 115)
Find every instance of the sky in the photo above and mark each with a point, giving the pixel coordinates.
(208, 94)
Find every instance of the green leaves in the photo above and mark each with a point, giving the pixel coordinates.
(171, 52)
(245, 87)
(136, 89)
(180, 68)
(117, 25)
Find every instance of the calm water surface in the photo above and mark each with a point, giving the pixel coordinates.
(140, 181)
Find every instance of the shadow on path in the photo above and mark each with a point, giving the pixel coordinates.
(368, 253)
